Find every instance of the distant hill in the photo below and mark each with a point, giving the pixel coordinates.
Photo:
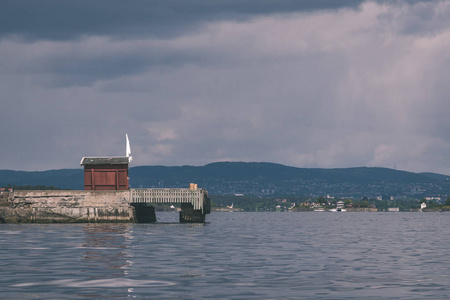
(438, 177)
(266, 179)
(63, 178)
(259, 179)
(270, 172)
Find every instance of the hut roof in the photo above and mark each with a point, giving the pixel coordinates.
(111, 160)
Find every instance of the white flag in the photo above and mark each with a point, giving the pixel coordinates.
(128, 150)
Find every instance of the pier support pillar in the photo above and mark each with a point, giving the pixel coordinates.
(189, 215)
(144, 213)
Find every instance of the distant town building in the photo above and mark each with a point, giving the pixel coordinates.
(433, 198)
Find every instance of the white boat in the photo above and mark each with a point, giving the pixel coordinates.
(337, 209)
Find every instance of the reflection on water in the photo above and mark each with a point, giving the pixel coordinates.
(105, 248)
(235, 256)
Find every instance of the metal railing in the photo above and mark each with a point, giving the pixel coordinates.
(196, 197)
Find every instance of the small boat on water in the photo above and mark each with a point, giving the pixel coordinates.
(337, 209)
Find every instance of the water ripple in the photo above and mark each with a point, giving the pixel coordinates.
(109, 283)
(235, 256)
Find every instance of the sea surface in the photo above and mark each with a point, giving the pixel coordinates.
(236, 255)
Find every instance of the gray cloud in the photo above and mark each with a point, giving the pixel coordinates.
(314, 84)
(424, 18)
(57, 20)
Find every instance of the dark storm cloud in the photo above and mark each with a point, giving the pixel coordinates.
(71, 70)
(62, 20)
(304, 83)
(85, 61)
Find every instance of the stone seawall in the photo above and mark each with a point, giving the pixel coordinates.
(59, 206)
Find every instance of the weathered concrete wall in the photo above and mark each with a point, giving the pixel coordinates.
(190, 215)
(68, 206)
(6, 198)
(144, 213)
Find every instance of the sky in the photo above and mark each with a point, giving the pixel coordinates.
(312, 84)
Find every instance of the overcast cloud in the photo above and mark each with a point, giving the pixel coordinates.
(304, 83)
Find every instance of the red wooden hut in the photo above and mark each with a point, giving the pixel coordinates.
(106, 173)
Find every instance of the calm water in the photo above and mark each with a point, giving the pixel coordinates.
(234, 256)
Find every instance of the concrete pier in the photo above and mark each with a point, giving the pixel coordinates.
(144, 213)
(190, 215)
(63, 206)
(135, 205)
(195, 203)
